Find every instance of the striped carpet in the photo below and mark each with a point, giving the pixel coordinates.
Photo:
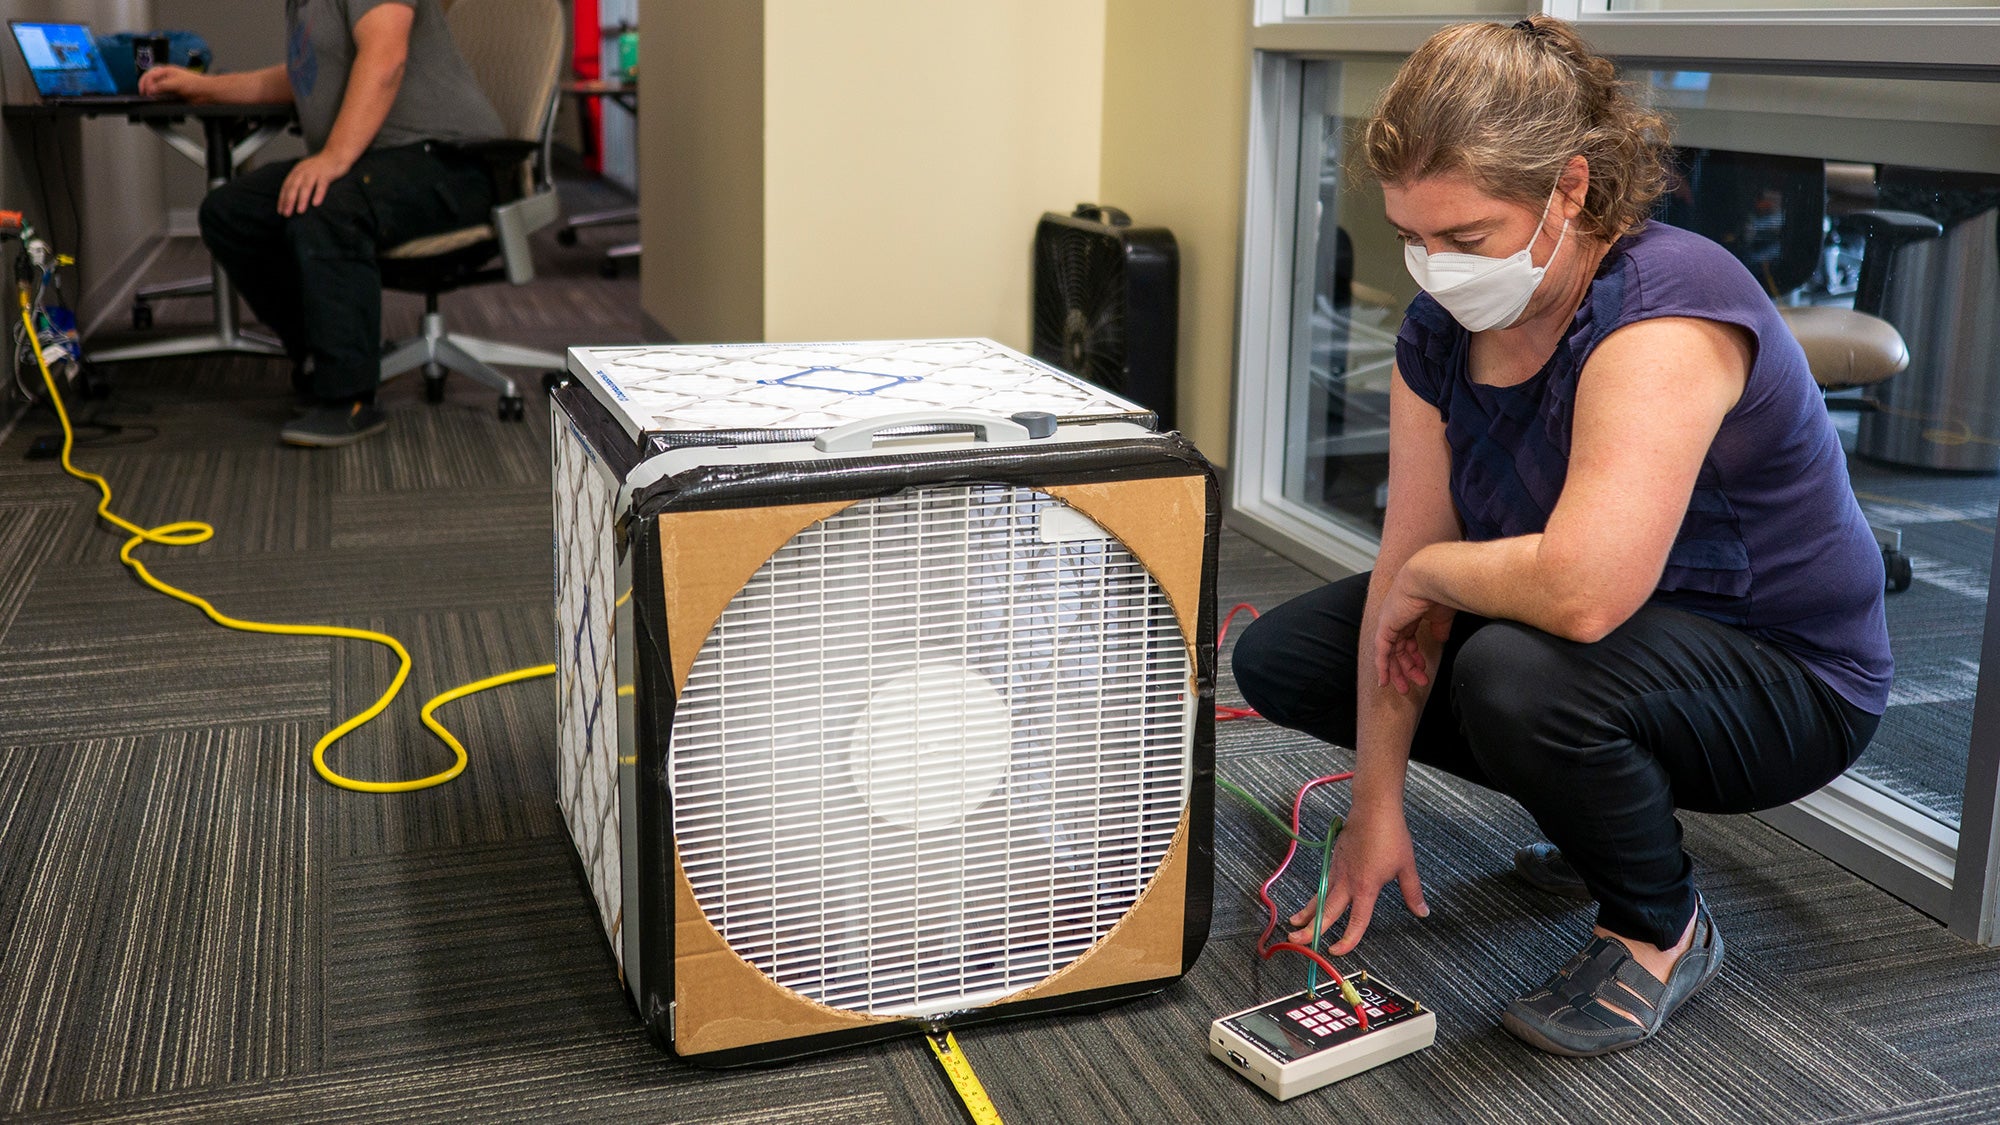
(195, 928)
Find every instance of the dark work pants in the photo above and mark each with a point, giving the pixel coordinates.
(1601, 743)
(313, 277)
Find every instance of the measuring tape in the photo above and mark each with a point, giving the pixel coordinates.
(962, 1079)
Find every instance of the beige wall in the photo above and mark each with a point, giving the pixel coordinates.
(1176, 113)
(910, 148)
(701, 168)
(903, 151)
(812, 170)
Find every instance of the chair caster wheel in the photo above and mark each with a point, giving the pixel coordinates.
(512, 409)
(566, 236)
(553, 379)
(93, 382)
(608, 269)
(433, 383)
(142, 315)
(1896, 564)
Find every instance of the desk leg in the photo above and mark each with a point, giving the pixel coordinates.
(226, 336)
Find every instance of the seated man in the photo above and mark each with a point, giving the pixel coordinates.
(383, 99)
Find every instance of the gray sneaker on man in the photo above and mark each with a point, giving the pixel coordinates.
(327, 427)
(1543, 867)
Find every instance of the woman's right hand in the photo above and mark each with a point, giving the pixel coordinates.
(1373, 848)
(1410, 632)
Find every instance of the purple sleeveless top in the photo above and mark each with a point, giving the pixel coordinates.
(1773, 542)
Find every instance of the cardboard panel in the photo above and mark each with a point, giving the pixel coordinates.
(1163, 522)
(723, 1002)
(1145, 945)
(706, 557)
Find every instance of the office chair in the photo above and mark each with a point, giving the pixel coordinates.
(515, 49)
(1770, 212)
(625, 94)
(615, 216)
(1944, 415)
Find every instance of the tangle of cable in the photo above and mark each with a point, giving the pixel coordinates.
(1266, 948)
(185, 533)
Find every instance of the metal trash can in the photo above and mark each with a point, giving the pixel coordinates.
(1943, 295)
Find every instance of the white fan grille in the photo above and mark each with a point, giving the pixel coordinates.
(1046, 687)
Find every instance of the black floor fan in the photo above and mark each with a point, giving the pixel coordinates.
(1107, 303)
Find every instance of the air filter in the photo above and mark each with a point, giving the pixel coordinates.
(887, 684)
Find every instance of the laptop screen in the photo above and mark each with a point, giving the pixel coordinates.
(63, 58)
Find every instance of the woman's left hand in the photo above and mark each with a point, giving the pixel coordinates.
(1409, 635)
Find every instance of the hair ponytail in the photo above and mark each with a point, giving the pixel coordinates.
(1507, 106)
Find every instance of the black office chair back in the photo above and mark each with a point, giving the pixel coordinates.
(1769, 211)
(1917, 204)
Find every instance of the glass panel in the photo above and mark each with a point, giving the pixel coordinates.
(1924, 443)
(1926, 458)
(1616, 7)
(1336, 453)
(1886, 121)
(1783, 170)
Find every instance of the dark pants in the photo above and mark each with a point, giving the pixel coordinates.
(313, 278)
(1601, 743)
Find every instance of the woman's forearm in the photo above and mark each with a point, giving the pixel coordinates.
(1522, 579)
(1384, 720)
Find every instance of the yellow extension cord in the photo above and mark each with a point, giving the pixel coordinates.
(186, 533)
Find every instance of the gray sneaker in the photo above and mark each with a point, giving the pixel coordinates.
(1572, 1012)
(327, 427)
(1543, 867)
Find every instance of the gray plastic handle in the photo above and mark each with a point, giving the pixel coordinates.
(859, 437)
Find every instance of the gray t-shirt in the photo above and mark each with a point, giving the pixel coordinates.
(438, 100)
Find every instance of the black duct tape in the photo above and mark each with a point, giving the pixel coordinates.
(598, 429)
(710, 487)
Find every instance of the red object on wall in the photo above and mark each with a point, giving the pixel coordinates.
(588, 63)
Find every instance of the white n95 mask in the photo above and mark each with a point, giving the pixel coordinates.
(1480, 292)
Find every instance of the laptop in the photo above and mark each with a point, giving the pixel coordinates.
(66, 65)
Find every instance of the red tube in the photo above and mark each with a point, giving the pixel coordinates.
(1264, 894)
(1224, 713)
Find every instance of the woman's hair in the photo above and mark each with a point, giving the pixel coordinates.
(1506, 107)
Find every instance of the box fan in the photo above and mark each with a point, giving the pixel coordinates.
(1107, 303)
(887, 674)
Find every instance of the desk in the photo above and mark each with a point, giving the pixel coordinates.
(626, 95)
(230, 135)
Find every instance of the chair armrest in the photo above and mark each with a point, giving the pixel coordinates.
(514, 222)
(1900, 226)
(1883, 233)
